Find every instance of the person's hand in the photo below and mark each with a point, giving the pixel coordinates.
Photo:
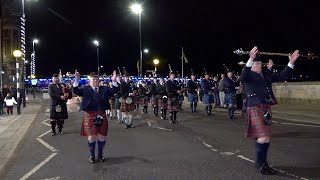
(270, 64)
(63, 97)
(114, 75)
(293, 57)
(77, 75)
(253, 52)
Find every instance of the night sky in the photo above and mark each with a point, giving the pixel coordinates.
(209, 31)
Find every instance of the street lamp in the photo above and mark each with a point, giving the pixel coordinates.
(33, 59)
(96, 43)
(146, 51)
(17, 54)
(155, 62)
(137, 9)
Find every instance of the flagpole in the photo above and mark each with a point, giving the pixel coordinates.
(182, 59)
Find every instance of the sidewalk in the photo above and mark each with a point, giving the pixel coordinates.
(14, 127)
(289, 112)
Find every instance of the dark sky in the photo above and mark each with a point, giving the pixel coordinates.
(208, 30)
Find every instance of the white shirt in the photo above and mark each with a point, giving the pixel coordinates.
(10, 102)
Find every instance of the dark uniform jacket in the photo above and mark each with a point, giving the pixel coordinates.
(192, 86)
(259, 87)
(92, 101)
(153, 89)
(172, 86)
(161, 89)
(206, 86)
(125, 89)
(229, 86)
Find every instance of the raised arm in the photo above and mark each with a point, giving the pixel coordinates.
(76, 89)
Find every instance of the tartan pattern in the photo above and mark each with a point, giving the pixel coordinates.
(126, 107)
(255, 126)
(89, 129)
(144, 101)
(154, 101)
(59, 115)
(112, 103)
(208, 99)
(162, 104)
(192, 97)
(244, 107)
(173, 105)
(231, 100)
(135, 100)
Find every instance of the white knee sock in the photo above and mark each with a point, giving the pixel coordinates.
(130, 118)
(118, 114)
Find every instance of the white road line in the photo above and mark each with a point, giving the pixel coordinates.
(227, 153)
(162, 128)
(44, 122)
(47, 145)
(301, 125)
(209, 146)
(44, 134)
(244, 158)
(288, 174)
(54, 178)
(47, 110)
(38, 167)
(149, 123)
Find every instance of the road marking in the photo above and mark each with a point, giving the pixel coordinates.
(209, 146)
(244, 158)
(157, 127)
(38, 167)
(227, 153)
(47, 110)
(301, 125)
(54, 178)
(47, 145)
(44, 134)
(149, 123)
(44, 122)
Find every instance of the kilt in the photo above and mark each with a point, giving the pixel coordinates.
(207, 99)
(144, 101)
(59, 115)
(244, 104)
(231, 100)
(255, 126)
(117, 103)
(112, 103)
(135, 100)
(173, 105)
(89, 129)
(193, 97)
(154, 100)
(181, 97)
(126, 107)
(162, 103)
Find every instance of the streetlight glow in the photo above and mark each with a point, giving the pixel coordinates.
(95, 42)
(35, 41)
(17, 53)
(136, 8)
(146, 51)
(156, 61)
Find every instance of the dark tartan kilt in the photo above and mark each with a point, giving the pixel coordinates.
(112, 103)
(162, 103)
(135, 100)
(192, 97)
(244, 104)
(126, 107)
(207, 99)
(255, 126)
(173, 105)
(59, 115)
(154, 100)
(231, 100)
(144, 101)
(89, 129)
(117, 103)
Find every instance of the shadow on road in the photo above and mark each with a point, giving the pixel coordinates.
(306, 172)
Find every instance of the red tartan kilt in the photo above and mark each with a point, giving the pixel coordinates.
(112, 103)
(255, 126)
(144, 101)
(89, 129)
(154, 101)
(162, 104)
(126, 107)
(173, 105)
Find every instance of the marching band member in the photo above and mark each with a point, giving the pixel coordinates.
(260, 97)
(144, 97)
(94, 103)
(207, 93)
(117, 96)
(230, 94)
(192, 92)
(126, 101)
(154, 97)
(112, 111)
(172, 87)
(162, 98)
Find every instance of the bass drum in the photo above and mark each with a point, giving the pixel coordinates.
(129, 100)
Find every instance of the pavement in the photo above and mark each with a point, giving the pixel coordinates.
(199, 147)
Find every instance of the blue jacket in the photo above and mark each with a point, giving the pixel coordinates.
(206, 86)
(88, 94)
(229, 86)
(258, 88)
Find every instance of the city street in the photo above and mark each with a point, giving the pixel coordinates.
(199, 147)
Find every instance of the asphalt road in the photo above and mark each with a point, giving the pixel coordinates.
(199, 147)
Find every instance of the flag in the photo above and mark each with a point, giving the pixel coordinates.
(184, 57)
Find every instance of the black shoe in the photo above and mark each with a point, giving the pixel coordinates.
(101, 159)
(171, 122)
(270, 169)
(263, 169)
(127, 126)
(132, 126)
(53, 134)
(61, 132)
(91, 160)
(176, 122)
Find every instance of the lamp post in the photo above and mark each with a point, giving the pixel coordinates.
(33, 59)
(155, 62)
(96, 43)
(17, 54)
(137, 9)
